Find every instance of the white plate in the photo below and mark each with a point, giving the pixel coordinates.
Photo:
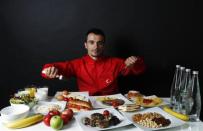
(81, 115)
(99, 104)
(79, 95)
(42, 107)
(174, 121)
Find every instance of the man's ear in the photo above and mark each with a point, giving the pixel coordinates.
(85, 45)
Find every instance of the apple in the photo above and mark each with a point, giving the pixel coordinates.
(68, 113)
(65, 119)
(56, 122)
(54, 112)
(47, 119)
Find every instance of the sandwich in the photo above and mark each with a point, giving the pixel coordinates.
(79, 105)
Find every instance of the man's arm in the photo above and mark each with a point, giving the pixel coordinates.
(56, 70)
(133, 65)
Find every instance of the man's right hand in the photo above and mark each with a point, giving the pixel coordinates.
(51, 72)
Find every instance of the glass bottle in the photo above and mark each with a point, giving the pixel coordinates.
(185, 98)
(174, 86)
(177, 92)
(196, 104)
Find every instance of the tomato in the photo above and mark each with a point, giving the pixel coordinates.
(106, 113)
(70, 98)
(115, 104)
(54, 112)
(47, 119)
(147, 101)
(66, 99)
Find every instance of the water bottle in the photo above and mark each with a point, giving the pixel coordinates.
(174, 86)
(196, 104)
(185, 97)
(178, 89)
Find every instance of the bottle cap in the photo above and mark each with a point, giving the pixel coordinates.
(187, 70)
(177, 66)
(195, 72)
(182, 68)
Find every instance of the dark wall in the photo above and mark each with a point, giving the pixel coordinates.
(35, 32)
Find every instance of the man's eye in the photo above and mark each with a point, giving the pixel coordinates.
(100, 43)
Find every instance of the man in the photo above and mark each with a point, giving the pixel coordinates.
(95, 72)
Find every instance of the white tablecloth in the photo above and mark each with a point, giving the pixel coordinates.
(74, 126)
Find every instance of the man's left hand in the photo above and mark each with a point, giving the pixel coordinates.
(130, 61)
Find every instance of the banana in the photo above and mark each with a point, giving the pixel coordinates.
(176, 114)
(25, 122)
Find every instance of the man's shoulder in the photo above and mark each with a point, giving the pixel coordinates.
(114, 59)
(76, 60)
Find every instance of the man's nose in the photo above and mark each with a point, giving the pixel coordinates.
(96, 45)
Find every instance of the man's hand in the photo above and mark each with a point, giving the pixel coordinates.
(130, 61)
(51, 72)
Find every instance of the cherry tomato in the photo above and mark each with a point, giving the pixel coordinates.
(70, 98)
(66, 99)
(106, 113)
(47, 119)
(115, 104)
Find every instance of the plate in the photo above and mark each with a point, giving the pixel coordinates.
(98, 104)
(77, 95)
(174, 121)
(81, 115)
(44, 107)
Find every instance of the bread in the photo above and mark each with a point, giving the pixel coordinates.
(132, 94)
(129, 107)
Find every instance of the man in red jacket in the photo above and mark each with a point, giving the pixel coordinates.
(95, 72)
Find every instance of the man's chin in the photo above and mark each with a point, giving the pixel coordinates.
(96, 55)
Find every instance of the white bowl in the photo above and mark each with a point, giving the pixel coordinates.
(12, 113)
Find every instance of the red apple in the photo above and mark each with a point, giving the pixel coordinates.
(47, 119)
(65, 119)
(68, 113)
(54, 112)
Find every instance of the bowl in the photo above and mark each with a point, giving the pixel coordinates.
(12, 113)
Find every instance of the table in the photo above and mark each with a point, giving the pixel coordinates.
(74, 126)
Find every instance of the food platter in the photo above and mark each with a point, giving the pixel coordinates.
(145, 101)
(80, 117)
(98, 101)
(174, 122)
(44, 107)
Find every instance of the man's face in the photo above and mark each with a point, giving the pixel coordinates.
(94, 45)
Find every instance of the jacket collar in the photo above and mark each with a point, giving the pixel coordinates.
(89, 59)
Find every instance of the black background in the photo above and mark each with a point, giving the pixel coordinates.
(35, 32)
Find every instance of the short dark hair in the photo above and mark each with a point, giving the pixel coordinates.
(95, 31)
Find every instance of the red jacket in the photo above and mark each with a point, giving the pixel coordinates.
(99, 77)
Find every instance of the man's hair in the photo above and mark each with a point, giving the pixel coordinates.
(95, 31)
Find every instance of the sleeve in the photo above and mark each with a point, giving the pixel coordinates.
(65, 68)
(138, 68)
